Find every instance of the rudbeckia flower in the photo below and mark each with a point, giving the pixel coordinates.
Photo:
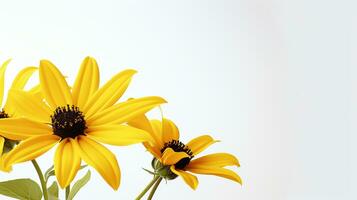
(76, 119)
(173, 158)
(8, 108)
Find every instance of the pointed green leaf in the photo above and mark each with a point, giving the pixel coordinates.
(53, 191)
(49, 172)
(150, 172)
(24, 189)
(78, 185)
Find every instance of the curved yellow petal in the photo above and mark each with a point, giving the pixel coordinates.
(153, 150)
(22, 128)
(2, 142)
(29, 106)
(87, 82)
(189, 179)
(142, 122)
(200, 143)
(2, 166)
(216, 159)
(217, 171)
(2, 156)
(109, 93)
(67, 162)
(170, 157)
(54, 86)
(99, 157)
(169, 131)
(36, 91)
(124, 112)
(22, 77)
(30, 149)
(119, 135)
(157, 130)
(2, 79)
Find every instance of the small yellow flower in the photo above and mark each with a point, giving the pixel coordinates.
(76, 119)
(173, 158)
(8, 108)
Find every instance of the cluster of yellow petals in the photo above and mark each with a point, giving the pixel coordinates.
(107, 121)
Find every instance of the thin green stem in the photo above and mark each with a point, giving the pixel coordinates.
(42, 180)
(154, 188)
(68, 189)
(147, 187)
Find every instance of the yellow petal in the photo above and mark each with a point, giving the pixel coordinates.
(200, 143)
(87, 82)
(29, 106)
(189, 179)
(2, 156)
(67, 162)
(2, 79)
(2, 141)
(2, 166)
(22, 128)
(157, 127)
(109, 93)
(22, 77)
(54, 86)
(124, 112)
(119, 135)
(36, 91)
(170, 157)
(153, 150)
(216, 159)
(30, 149)
(217, 171)
(99, 157)
(169, 131)
(143, 123)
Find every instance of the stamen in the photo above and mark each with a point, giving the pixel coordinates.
(68, 121)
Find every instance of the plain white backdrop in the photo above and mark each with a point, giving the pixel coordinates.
(274, 80)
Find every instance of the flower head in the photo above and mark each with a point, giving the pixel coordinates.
(174, 158)
(76, 119)
(8, 109)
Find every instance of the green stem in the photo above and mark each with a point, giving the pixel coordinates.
(147, 187)
(68, 189)
(154, 188)
(40, 175)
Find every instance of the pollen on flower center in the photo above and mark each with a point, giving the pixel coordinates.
(68, 121)
(178, 146)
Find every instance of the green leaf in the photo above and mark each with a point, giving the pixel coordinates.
(53, 191)
(24, 189)
(150, 172)
(51, 172)
(78, 185)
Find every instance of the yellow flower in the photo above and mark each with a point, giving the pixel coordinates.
(174, 158)
(8, 108)
(76, 119)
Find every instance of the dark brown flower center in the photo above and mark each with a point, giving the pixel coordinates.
(68, 121)
(178, 146)
(3, 114)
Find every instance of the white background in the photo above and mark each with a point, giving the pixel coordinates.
(273, 79)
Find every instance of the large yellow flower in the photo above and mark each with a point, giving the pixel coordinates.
(174, 158)
(76, 119)
(8, 108)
